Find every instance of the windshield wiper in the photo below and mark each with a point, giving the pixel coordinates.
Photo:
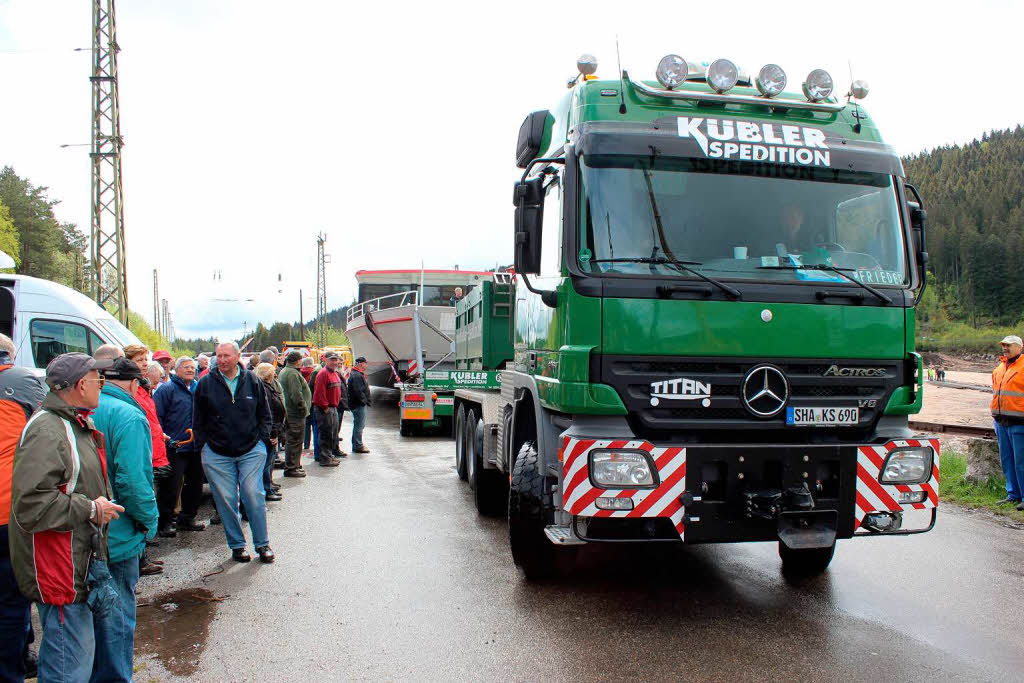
(841, 272)
(683, 266)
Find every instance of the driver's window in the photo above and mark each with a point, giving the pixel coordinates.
(551, 232)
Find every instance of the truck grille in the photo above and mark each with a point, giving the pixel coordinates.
(809, 386)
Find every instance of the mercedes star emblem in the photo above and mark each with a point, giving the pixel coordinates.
(765, 391)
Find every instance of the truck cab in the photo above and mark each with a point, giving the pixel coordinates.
(714, 320)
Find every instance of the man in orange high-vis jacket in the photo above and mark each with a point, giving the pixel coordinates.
(21, 392)
(1008, 414)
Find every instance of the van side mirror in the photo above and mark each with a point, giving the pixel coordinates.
(529, 200)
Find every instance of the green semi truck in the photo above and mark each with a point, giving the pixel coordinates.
(712, 332)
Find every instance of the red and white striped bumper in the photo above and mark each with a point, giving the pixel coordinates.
(873, 496)
(579, 494)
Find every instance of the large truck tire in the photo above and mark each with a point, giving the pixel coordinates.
(469, 450)
(528, 514)
(490, 487)
(805, 562)
(460, 442)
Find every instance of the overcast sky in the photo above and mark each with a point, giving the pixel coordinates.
(250, 126)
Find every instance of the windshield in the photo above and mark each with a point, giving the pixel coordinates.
(122, 335)
(731, 220)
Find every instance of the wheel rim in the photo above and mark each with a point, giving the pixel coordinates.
(469, 449)
(460, 448)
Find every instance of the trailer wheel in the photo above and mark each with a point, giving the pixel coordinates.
(805, 562)
(490, 487)
(460, 442)
(528, 514)
(469, 448)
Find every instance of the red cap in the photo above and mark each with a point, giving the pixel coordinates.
(162, 355)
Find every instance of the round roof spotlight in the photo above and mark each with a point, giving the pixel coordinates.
(587, 64)
(859, 89)
(722, 75)
(672, 71)
(771, 80)
(818, 85)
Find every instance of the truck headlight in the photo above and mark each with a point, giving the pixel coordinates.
(723, 75)
(621, 469)
(771, 80)
(907, 466)
(818, 85)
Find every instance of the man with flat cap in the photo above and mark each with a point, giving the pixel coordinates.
(60, 507)
(1008, 415)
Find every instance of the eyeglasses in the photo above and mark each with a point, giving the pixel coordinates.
(101, 380)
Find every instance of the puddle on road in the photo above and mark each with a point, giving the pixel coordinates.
(174, 627)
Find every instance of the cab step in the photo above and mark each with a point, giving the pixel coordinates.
(562, 535)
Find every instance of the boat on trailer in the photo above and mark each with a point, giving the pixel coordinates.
(381, 325)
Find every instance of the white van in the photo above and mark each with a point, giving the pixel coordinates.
(46, 319)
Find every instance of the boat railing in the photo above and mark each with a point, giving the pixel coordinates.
(410, 298)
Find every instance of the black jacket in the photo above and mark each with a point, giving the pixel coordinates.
(230, 425)
(358, 390)
(277, 413)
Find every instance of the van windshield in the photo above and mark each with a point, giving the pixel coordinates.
(121, 334)
(738, 221)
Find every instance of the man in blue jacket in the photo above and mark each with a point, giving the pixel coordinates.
(231, 418)
(173, 401)
(129, 451)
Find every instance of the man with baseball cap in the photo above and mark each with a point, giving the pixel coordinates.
(329, 403)
(297, 402)
(126, 432)
(358, 401)
(1008, 415)
(60, 507)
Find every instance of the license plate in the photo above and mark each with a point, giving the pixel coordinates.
(821, 417)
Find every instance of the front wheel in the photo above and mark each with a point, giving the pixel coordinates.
(806, 561)
(528, 513)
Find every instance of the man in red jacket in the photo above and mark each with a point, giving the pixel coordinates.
(328, 403)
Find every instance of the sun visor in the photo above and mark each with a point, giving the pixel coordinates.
(738, 140)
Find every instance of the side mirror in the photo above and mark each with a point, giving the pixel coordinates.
(531, 137)
(918, 220)
(529, 200)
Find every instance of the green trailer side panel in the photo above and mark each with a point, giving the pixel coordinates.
(483, 327)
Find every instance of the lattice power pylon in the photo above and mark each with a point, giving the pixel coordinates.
(321, 291)
(109, 273)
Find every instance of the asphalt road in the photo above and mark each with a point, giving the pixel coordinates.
(385, 572)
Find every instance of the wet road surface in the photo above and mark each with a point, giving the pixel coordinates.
(385, 572)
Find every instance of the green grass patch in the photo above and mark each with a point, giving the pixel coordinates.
(956, 337)
(954, 487)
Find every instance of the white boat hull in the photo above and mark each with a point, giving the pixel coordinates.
(396, 329)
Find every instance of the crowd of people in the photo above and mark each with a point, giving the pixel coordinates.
(115, 455)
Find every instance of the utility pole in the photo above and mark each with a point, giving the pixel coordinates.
(156, 303)
(321, 291)
(302, 333)
(109, 272)
(163, 327)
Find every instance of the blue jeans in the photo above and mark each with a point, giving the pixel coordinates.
(358, 422)
(1011, 455)
(69, 649)
(316, 437)
(227, 477)
(115, 632)
(15, 618)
